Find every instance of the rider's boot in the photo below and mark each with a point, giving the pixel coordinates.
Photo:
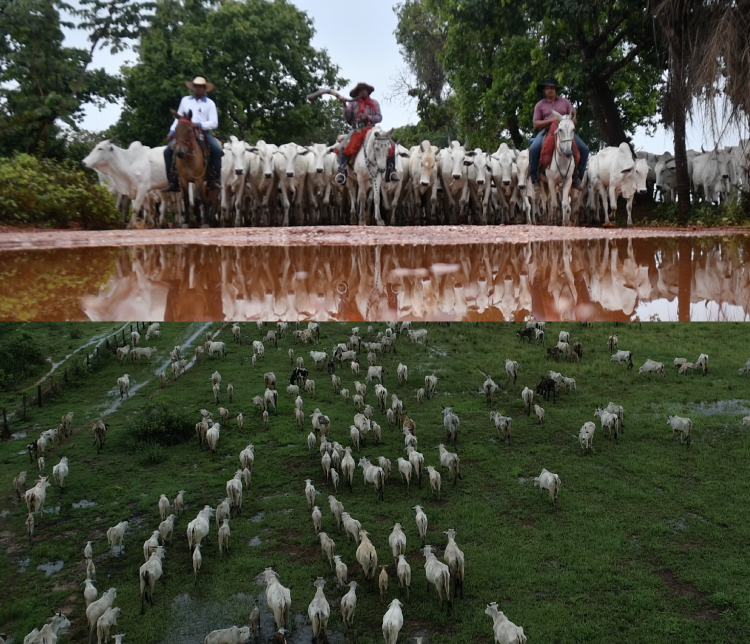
(174, 183)
(390, 170)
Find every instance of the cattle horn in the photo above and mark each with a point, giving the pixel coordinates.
(114, 138)
(702, 150)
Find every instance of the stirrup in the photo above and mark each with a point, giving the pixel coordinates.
(172, 187)
(340, 178)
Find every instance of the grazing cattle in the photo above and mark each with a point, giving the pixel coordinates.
(525, 333)
(615, 172)
(135, 172)
(651, 366)
(545, 387)
(623, 356)
(681, 426)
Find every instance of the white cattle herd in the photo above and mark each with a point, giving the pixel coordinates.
(447, 577)
(264, 184)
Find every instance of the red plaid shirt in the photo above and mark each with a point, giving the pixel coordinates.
(354, 112)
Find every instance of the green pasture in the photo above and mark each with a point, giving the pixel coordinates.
(648, 543)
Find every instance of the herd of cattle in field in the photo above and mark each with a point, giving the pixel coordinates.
(337, 464)
(268, 185)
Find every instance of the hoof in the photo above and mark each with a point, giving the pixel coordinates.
(608, 224)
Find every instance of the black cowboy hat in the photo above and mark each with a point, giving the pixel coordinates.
(359, 87)
(547, 82)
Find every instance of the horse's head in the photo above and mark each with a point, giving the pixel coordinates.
(565, 132)
(184, 135)
(381, 145)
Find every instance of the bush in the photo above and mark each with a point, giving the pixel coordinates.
(76, 333)
(161, 425)
(20, 356)
(52, 193)
(152, 454)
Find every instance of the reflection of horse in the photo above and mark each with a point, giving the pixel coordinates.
(563, 167)
(191, 168)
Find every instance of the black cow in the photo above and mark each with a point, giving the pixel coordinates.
(299, 376)
(545, 386)
(525, 333)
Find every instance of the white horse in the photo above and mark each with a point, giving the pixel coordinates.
(563, 166)
(369, 166)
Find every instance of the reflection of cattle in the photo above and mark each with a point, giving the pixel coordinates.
(484, 282)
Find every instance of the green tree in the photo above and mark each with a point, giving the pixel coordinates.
(42, 82)
(257, 54)
(495, 53)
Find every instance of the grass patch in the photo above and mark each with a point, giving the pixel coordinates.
(647, 543)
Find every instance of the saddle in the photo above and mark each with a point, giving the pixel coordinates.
(548, 148)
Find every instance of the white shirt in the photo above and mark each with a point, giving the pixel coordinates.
(204, 112)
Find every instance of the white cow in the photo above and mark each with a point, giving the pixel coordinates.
(505, 176)
(616, 172)
(321, 168)
(234, 165)
(453, 172)
(711, 173)
(423, 170)
(480, 183)
(134, 172)
(290, 166)
(261, 179)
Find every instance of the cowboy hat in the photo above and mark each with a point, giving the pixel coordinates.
(359, 87)
(547, 82)
(199, 80)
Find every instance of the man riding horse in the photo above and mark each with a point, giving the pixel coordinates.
(543, 118)
(204, 115)
(361, 112)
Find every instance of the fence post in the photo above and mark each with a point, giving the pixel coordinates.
(123, 337)
(24, 406)
(6, 431)
(87, 359)
(65, 375)
(39, 395)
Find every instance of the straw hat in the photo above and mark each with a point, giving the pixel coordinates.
(359, 87)
(199, 80)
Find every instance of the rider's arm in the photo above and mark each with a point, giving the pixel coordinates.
(180, 111)
(540, 125)
(213, 118)
(378, 115)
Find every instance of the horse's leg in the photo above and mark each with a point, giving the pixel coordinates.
(376, 199)
(363, 190)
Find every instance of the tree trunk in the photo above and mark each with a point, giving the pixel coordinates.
(605, 114)
(681, 166)
(515, 133)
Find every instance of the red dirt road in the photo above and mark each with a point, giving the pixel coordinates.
(338, 236)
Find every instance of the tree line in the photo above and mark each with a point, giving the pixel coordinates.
(471, 65)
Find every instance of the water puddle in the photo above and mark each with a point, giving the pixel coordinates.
(83, 503)
(594, 275)
(258, 517)
(723, 407)
(118, 550)
(4, 514)
(255, 542)
(55, 510)
(18, 435)
(23, 564)
(51, 567)
(522, 480)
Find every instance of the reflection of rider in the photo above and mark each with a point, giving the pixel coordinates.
(205, 115)
(543, 118)
(359, 112)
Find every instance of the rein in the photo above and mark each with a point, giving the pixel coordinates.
(188, 143)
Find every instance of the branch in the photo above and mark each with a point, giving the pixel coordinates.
(602, 37)
(616, 67)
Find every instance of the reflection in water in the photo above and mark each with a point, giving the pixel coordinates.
(596, 279)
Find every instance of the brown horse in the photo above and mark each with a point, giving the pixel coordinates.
(191, 168)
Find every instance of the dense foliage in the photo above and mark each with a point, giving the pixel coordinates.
(161, 425)
(258, 55)
(43, 191)
(489, 58)
(19, 357)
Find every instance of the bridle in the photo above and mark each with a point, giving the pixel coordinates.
(189, 142)
(558, 143)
